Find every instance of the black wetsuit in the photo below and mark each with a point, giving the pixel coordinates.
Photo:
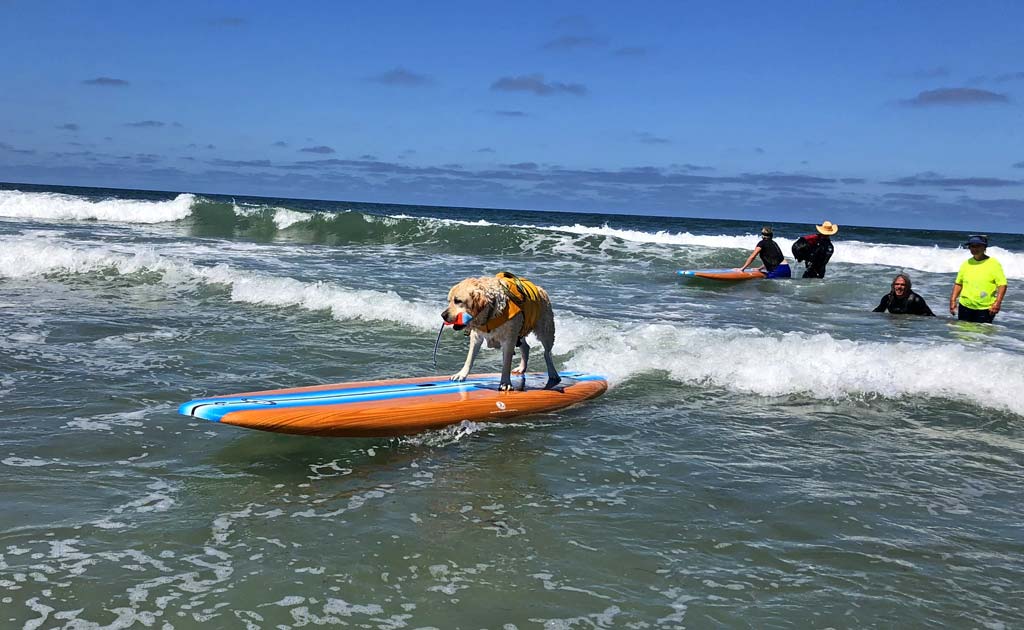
(771, 255)
(818, 256)
(911, 304)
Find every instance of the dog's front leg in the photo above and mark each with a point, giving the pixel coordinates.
(507, 349)
(474, 346)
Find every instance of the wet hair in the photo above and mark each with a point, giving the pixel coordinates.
(766, 231)
(906, 278)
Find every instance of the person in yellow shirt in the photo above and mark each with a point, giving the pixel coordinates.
(980, 285)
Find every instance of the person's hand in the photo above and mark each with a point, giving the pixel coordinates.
(952, 308)
(994, 308)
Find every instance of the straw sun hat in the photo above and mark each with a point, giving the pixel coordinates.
(827, 228)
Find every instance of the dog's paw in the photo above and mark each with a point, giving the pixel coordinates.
(505, 386)
(552, 382)
(460, 376)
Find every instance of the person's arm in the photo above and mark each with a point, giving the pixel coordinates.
(920, 306)
(957, 288)
(882, 305)
(998, 304)
(750, 258)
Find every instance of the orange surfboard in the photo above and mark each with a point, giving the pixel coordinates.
(394, 407)
(723, 274)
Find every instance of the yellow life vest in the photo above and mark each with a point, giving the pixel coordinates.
(523, 297)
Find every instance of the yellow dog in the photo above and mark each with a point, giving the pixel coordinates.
(503, 310)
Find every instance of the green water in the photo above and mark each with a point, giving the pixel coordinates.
(769, 454)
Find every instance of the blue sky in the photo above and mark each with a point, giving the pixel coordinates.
(870, 113)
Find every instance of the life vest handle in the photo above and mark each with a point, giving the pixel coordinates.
(516, 280)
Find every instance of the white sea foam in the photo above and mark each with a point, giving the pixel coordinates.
(59, 207)
(6, 385)
(660, 237)
(21, 258)
(448, 435)
(730, 359)
(344, 304)
(283, 217)
(440, 221)
(159, 585)
(160, 498)
(827, 368)
(931, 259)
(25, 258)
(23, 462)
(106, 422)
(45, 207)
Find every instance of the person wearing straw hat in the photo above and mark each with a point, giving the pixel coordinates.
(815, 250)
(773, 262)
(980, 285)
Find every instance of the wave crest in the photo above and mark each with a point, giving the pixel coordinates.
(210, 218)
(41, 206)
(828, 368)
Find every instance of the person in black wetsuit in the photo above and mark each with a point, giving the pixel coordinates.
(774, 263)
(816, 249)
(901, 300)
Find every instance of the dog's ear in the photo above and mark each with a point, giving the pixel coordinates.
(478, 300)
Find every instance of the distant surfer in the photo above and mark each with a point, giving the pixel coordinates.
(815, 250)
(980, 285)
(901, 300)
(773, 262)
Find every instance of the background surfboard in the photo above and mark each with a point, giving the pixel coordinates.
(722, 274)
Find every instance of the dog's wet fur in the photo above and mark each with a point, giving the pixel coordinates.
(483, 298)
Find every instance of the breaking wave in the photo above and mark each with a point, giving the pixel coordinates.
(698, 356)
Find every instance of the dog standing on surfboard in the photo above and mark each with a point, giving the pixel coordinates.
(502, 310)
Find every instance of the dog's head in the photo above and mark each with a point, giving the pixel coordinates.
(470, 296)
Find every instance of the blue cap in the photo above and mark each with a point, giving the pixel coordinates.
(977, 239)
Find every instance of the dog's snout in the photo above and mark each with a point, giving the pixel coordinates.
(445, 315)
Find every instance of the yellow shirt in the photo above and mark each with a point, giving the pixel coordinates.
(979, 279)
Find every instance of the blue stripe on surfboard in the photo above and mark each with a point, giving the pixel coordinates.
(690, 272)
(214, 409)
(439, 384)
(340, 392)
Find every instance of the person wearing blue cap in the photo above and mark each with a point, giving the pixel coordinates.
(980, 285)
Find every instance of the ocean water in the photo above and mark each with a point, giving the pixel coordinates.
(769, 454)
